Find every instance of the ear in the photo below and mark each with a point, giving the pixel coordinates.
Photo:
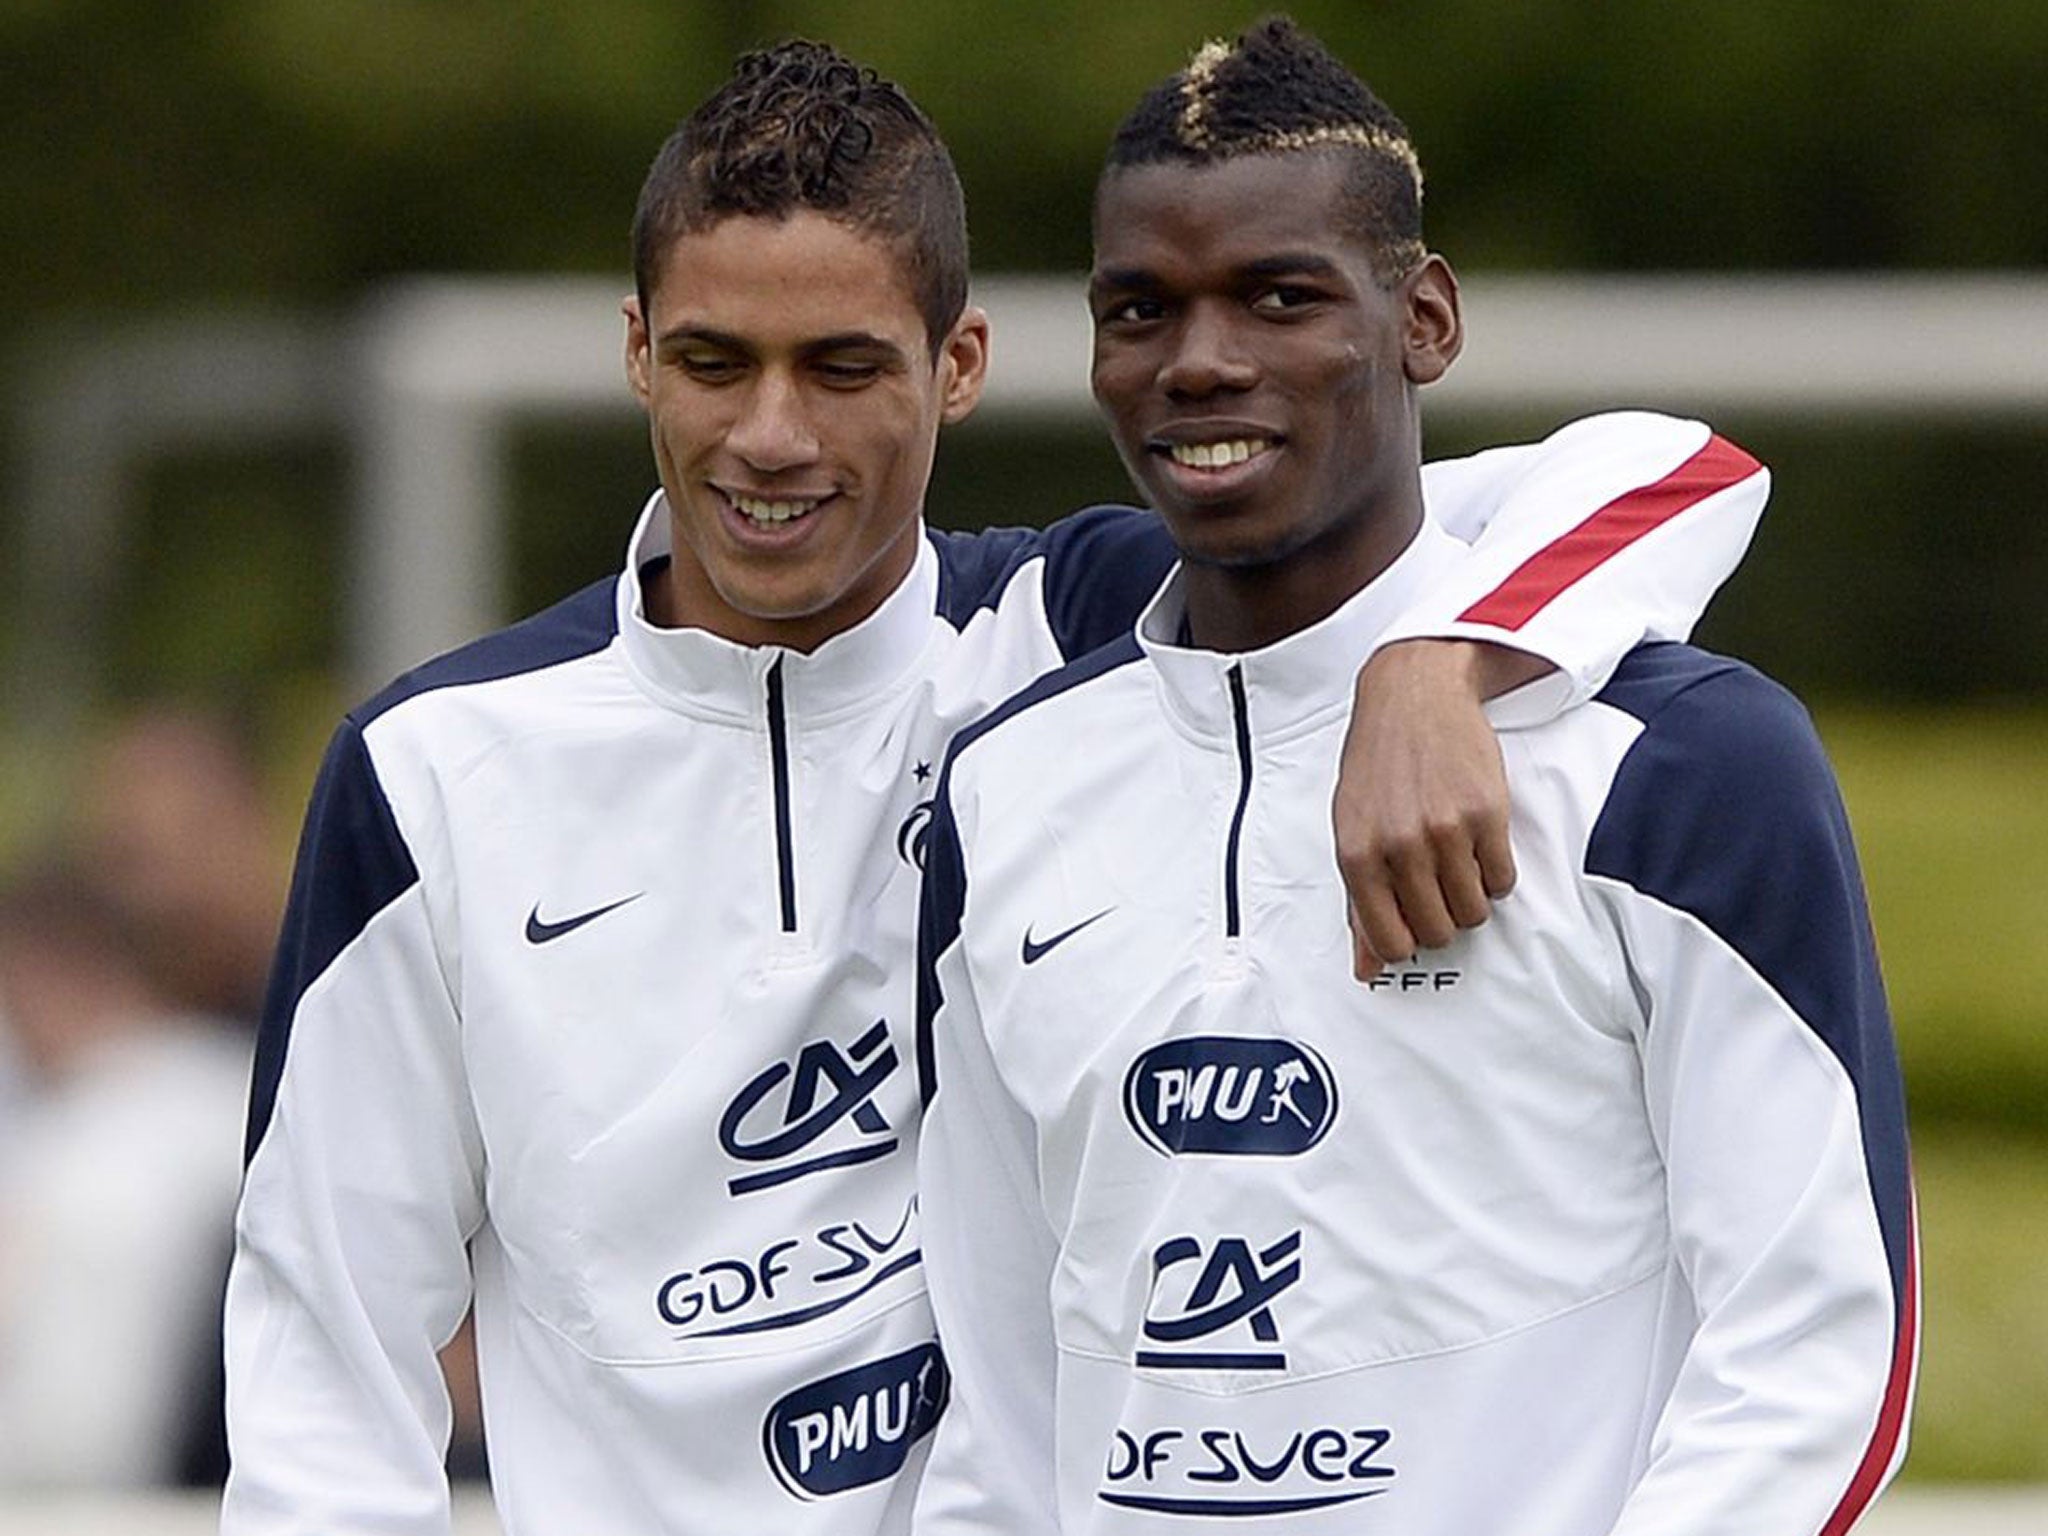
(1435, 328)
(963, 365)
(639, 348)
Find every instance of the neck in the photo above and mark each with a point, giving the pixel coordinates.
(1246, 607)
(679, 595)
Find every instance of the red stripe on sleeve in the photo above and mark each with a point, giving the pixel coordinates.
(1891, 1418)
(1545, 574)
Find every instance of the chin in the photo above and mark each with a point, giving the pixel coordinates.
(768, 601)
(782, 607)
(1228, 541)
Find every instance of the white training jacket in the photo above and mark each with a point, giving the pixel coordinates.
(1595, 1223)
(594, 1004)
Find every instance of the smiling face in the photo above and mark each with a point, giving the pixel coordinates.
(1259, 381)
(794, 403)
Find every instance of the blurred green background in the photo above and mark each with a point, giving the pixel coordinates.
(292, 155)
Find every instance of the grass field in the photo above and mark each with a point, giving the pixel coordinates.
(1983, 1412)
(1951, 814)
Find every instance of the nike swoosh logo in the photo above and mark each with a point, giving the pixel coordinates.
(540, 932)
(1035, 952)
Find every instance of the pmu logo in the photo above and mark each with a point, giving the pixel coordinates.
(1213, 1472)
(1230, 1097)
(857, 1427)
(1229, 1292)
(826, 1087)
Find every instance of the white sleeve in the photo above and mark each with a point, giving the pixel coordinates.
(1774, 1095)
(1615, 529)
(363, 1186)
(988, 1251)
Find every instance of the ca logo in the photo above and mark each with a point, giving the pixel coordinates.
(1234, 1285)
(825, 1088)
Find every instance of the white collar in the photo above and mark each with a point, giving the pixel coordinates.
(1300, 680)
(705, 674)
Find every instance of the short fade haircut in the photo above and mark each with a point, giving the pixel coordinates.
(801, 126)
(1276, 90)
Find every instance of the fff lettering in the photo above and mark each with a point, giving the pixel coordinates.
(1414, 981)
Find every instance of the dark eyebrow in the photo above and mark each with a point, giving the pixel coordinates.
(1280, 264)
(702, 333)
(1121, 277)
(1292, 264)
(853, 341)
(839, 341)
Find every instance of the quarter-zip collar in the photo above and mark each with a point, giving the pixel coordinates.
(703, 674)
(1297, 682)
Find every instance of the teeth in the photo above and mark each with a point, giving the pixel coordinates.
(1218, 455)
(762, 511)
